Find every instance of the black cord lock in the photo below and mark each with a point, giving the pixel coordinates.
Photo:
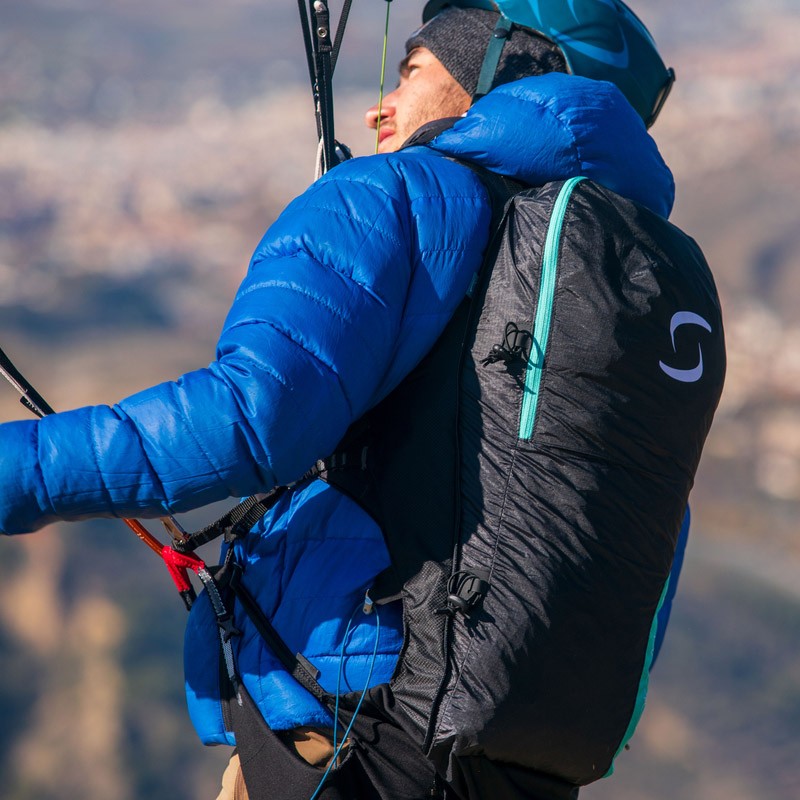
(465, 591)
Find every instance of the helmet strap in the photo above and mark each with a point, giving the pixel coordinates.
(491, 60)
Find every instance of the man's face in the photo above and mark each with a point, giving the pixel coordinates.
(426, 92)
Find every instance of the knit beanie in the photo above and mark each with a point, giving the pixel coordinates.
(458, 37)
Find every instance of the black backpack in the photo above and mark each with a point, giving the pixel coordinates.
(530, 477)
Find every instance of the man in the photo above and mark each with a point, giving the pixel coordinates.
(346, 293)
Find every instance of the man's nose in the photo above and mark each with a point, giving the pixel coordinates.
(386, 112)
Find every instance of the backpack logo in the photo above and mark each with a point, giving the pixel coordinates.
(695, 373)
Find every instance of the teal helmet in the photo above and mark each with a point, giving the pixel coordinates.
(600, 39)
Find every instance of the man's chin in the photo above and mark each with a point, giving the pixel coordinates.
(389, 144)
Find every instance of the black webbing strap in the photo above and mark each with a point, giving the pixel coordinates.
(500, 190)
(296, 664)
(322, 53)
(337, 44)
(309, 48)
(238, 521)
(323, 70)
(241, 518)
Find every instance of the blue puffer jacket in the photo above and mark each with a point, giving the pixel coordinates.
(345, 294)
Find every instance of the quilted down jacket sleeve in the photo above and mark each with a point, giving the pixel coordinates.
(346, 292)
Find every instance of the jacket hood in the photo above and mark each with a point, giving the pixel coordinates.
(557, 126)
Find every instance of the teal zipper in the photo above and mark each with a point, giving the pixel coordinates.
(544, 311)
(644, 680)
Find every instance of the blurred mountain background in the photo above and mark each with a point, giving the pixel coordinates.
(144, 149)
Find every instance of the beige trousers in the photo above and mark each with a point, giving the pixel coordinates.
(313, 745)
(233, 787)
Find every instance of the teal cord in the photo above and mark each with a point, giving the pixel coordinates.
(339, 676)
(337, 751)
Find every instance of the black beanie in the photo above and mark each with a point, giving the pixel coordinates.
(458, 37)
